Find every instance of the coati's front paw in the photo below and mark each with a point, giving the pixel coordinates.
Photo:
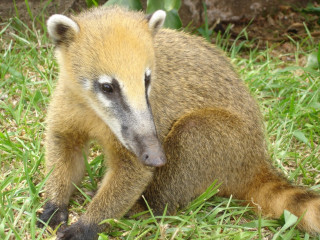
(79, 231)
(56, 215)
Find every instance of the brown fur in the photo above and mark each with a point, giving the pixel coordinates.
(208, 123)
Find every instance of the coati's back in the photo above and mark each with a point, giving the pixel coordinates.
(193, 74)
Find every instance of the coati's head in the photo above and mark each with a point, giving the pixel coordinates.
(106, 56)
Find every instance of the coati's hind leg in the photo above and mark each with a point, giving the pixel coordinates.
(217, 144)
(65, 166)
(202, 146)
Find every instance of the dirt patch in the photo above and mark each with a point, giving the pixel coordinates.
(27, 13)
(279, 27)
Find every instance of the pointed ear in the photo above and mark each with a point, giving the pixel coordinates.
(62, 29)
(156, 20)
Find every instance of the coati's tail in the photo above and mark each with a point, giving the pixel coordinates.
(272, 194)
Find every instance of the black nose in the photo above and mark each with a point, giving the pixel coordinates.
(145, 157)
(153, 158)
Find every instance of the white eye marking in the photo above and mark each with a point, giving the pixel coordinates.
(148, 71)
(107, 118)
(102, 98)
(108, 79)
(86, 83)
(148, 74)
(105, 79)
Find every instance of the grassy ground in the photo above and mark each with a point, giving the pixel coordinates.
(289, 96)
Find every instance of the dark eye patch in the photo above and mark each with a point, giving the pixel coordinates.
(113, 92)
(147, 80)
(107, 88)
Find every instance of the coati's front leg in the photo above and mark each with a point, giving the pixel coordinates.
(65, 166)
(122, 185)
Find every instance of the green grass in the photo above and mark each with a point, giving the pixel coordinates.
(289, 97)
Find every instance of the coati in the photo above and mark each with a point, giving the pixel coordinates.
(171, 115)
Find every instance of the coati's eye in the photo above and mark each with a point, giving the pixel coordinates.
(106, 88)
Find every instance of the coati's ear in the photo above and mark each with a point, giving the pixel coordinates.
(61, 28)
(156, 20)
